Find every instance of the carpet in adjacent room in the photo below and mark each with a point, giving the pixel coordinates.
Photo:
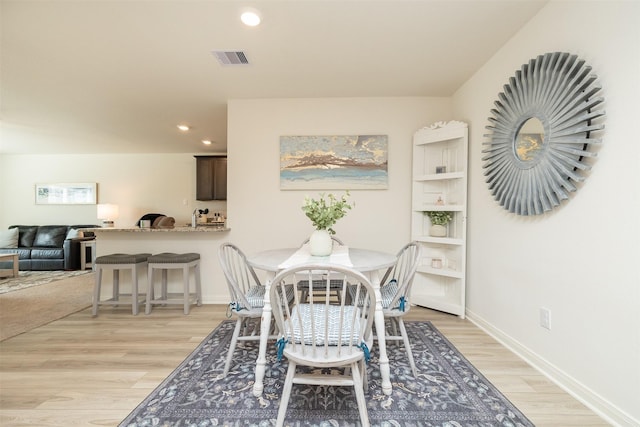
(28, 279)
(26, 309)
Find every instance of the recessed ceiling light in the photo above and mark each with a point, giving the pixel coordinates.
(206, 142)
(250, 18)
(183, 128)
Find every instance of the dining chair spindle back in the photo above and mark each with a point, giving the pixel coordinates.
(247, 297)
(396, 294)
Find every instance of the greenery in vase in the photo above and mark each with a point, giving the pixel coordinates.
(439, 217)
(324, 213)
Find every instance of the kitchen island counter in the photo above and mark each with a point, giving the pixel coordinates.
(185, 229)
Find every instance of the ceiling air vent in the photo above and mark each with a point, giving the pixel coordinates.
(231, 57)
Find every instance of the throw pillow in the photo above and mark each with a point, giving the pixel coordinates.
(9, 238)
(156, 222)
(166, 222)
(74, 233)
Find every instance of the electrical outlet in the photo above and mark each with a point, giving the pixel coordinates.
(545, 318)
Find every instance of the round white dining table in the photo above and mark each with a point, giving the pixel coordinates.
(368, 262)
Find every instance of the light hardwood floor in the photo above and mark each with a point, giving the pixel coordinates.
(84, 371)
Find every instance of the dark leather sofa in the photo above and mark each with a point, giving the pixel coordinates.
(48, 247)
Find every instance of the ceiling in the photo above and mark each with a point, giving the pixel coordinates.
(107, 76)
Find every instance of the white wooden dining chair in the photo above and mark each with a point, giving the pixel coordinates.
(395, 296)
(323, 333)
(247, 297)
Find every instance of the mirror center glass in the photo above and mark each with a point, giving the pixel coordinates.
(529, 140)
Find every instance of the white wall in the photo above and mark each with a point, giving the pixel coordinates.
(580, 260)
(262, 216)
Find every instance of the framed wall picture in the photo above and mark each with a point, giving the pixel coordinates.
(66, 194)
(334, 162)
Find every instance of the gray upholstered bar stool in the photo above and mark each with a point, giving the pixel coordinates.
(167, 261)
(117, 263)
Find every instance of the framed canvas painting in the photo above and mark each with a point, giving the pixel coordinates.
(335, 162)
(66, 194)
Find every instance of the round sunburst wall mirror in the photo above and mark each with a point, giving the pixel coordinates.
(541, 131)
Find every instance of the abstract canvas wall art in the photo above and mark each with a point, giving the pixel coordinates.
(334, 162)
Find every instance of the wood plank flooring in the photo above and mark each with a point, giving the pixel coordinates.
(84, 371)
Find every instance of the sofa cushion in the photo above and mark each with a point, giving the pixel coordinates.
(9, 238)
(23, 253)
(50, 236)
(47, 253)
(45, 264)
(26, 234)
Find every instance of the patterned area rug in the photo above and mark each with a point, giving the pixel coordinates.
(449, 391)
(27, 279)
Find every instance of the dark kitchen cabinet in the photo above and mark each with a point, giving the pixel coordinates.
(211, 177)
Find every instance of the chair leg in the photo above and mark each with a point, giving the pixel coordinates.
(394, 326)
(362, 403)
(232, 346)
(391, 332)
(407, 347)
(286, 394)
(363, 373)
(245, 327)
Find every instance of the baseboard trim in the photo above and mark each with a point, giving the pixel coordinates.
(605, 409)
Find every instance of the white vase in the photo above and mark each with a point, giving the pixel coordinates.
(438, 230)
(320, 243)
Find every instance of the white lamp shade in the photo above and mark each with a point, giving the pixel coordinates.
(108, 212)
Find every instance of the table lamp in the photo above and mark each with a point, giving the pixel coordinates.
(107, 213)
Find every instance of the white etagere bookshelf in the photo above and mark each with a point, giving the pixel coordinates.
(440, 184)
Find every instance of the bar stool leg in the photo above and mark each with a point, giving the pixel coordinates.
(116, 285)
(96, 290)
(198, 284)
(185, 281)
(134, 289)
(150, 292)
(165, 284)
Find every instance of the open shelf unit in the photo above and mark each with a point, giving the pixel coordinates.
(440, 184)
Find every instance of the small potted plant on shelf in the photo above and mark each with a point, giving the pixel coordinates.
(324, 213)
(439, 221)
